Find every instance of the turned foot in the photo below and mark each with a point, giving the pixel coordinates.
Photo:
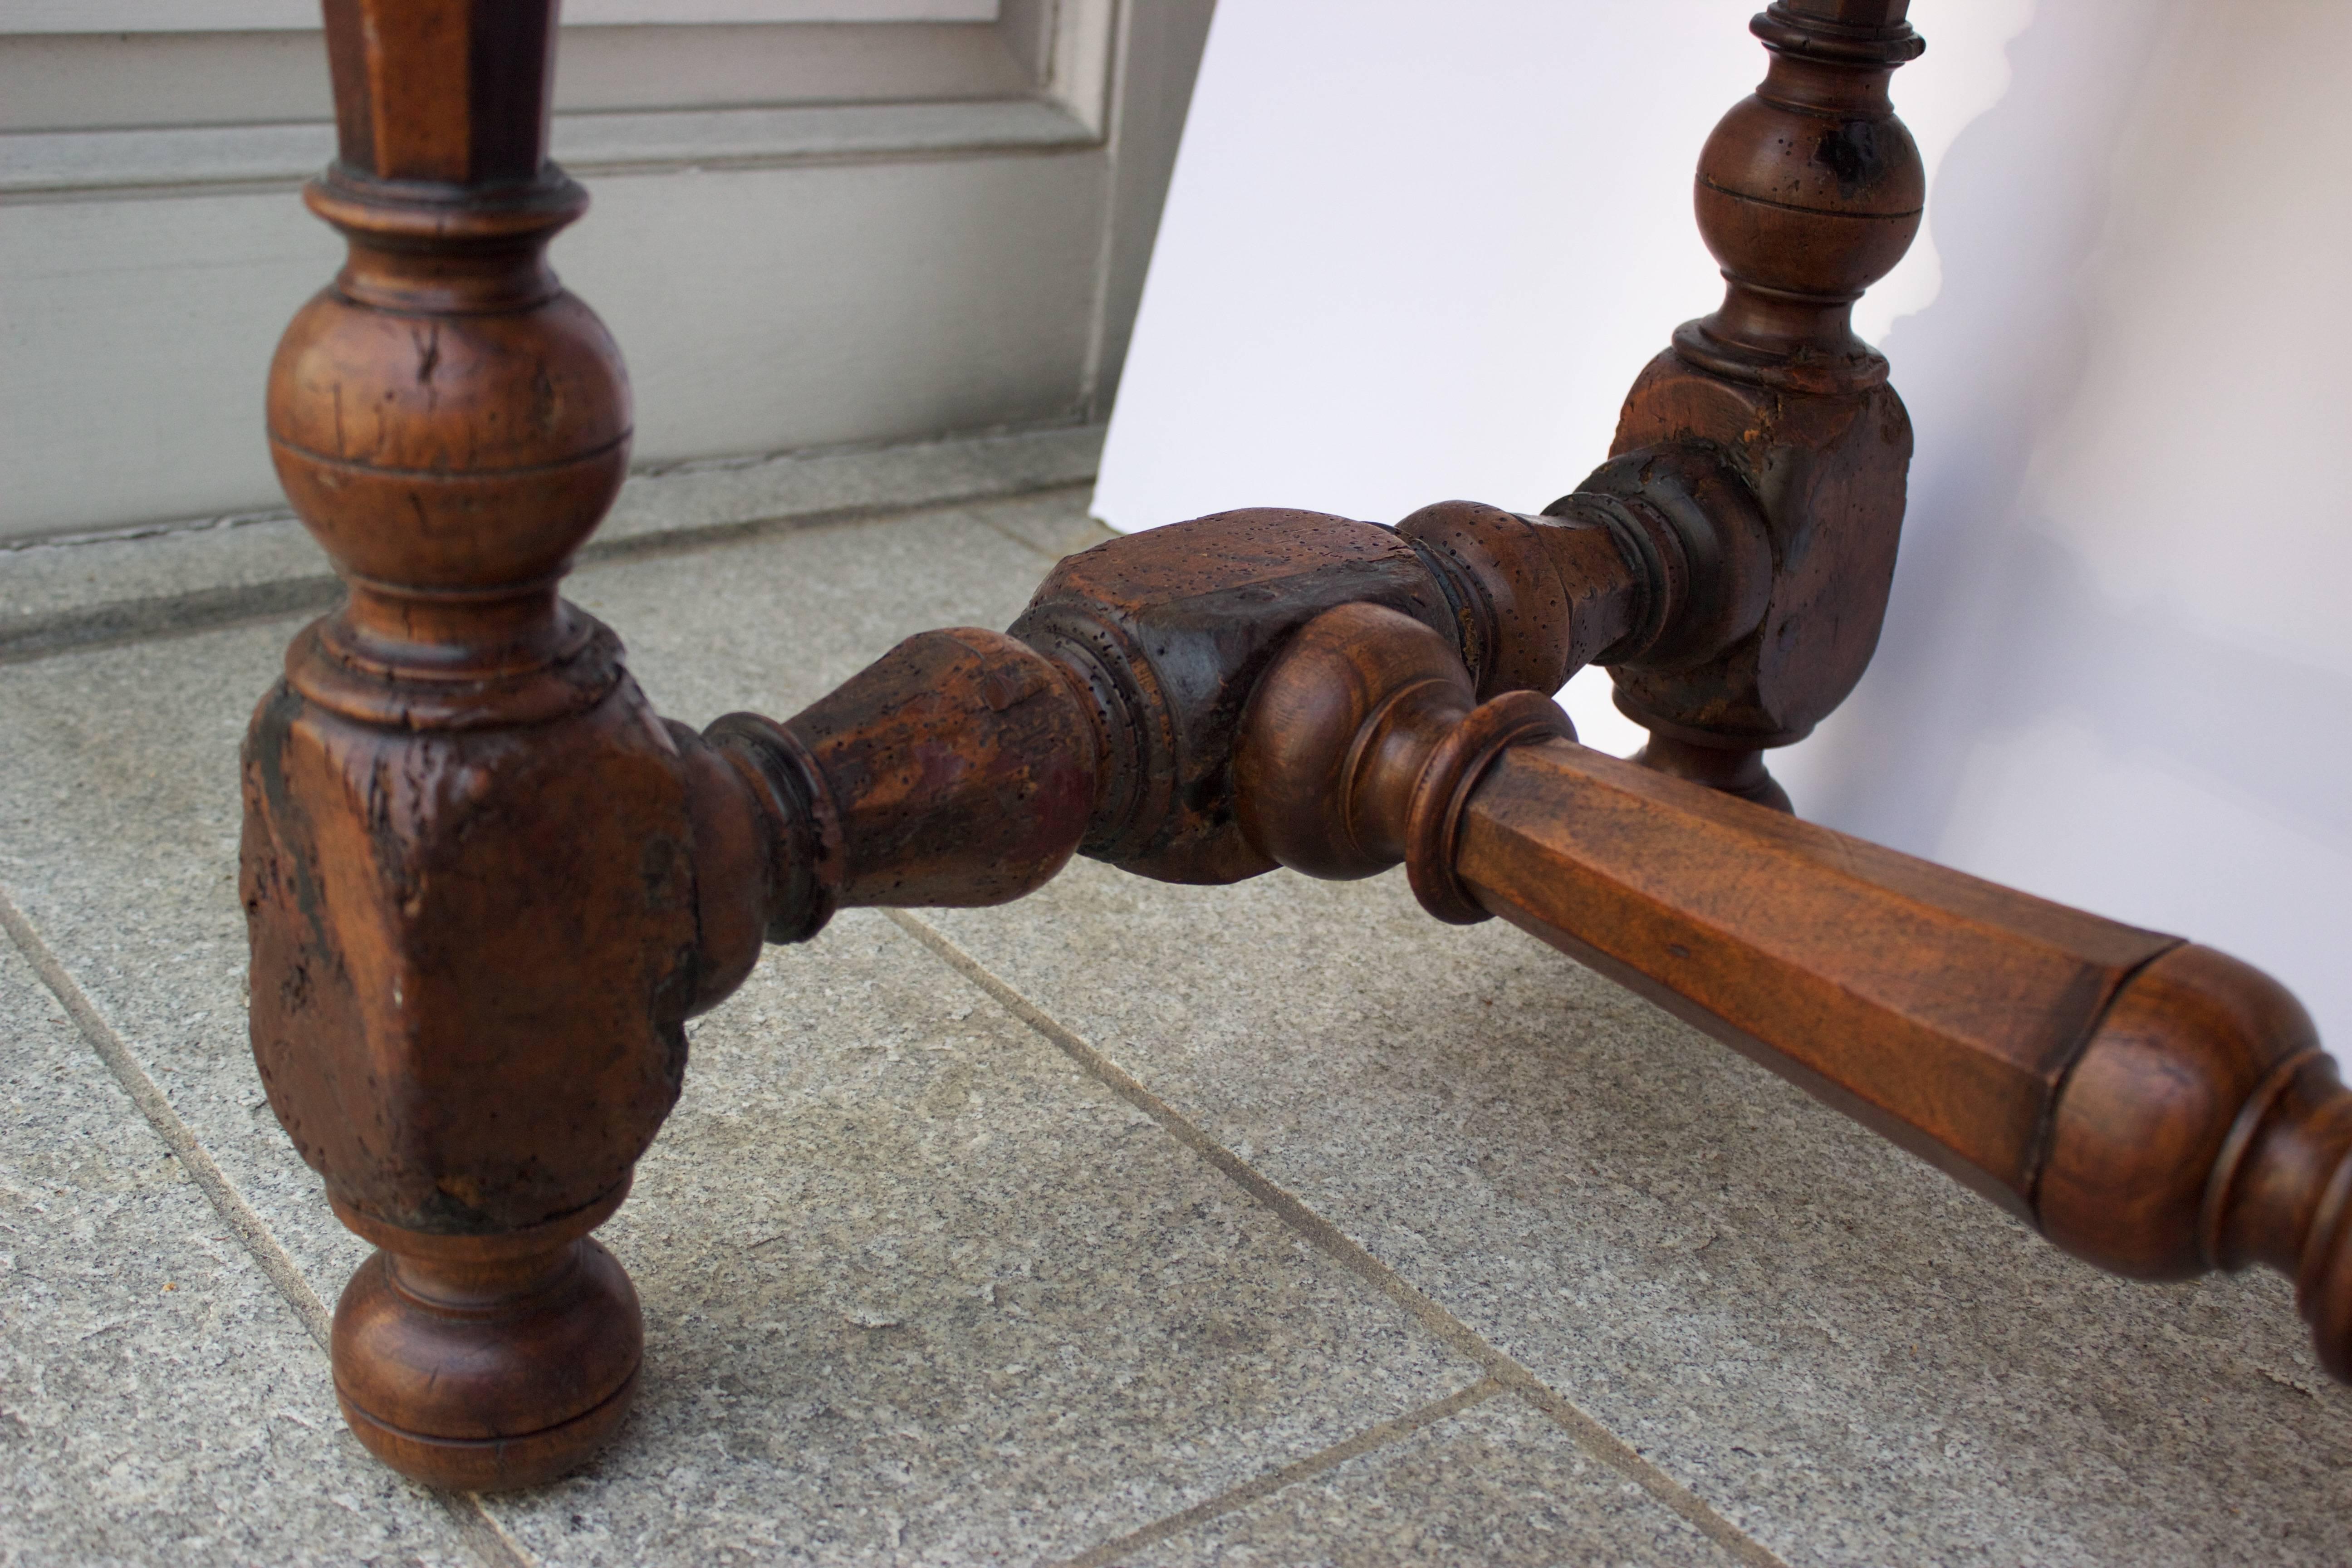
(1734, 770)
(487, 1362)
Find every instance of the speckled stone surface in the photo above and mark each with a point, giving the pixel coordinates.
(1128, 1214)
(1498, 1483)
(1048, 524)
(917, 1290)
(160, 1403)
(1842, 1351)
(119, 819)
(56, 593)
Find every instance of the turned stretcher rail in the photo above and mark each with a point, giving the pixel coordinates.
(2155, 1107)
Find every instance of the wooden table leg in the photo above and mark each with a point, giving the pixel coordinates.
(485, 885)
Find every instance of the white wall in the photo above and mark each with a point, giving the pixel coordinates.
(1402, 261)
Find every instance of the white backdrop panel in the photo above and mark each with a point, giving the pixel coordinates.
(1416, 252)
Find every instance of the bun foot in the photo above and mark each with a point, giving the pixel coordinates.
(487, 1363)
(1734, 770)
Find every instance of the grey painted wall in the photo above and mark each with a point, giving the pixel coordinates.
(921, 229)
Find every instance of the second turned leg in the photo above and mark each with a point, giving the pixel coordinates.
(1733, 769)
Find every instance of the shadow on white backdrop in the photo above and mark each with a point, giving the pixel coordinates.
(1403, 261)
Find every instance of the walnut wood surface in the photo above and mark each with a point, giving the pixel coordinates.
(486, 884)
(1748, 924)
(1809, 191)
(481, 902)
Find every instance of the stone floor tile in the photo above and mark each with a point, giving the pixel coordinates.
(1499, 1485)
(1837, 1348)
(62, 593)
(1054, 525)
(55, 595)
(159, 1400)
(918, 1290)
(732, 492)
(773, 624)
(118, 820)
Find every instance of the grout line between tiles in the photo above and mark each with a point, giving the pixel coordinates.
(1589, 1434)
(484, 1532)
(119, 622)
(687, 541)
(481, 1533)
(1272, 1481)
(193, 1157)
(1104, 535)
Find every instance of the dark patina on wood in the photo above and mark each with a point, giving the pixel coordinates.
(487, 884)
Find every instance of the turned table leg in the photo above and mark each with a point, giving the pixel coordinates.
(1808, 192)
(485, 885)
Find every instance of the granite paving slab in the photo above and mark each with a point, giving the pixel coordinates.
(160, 1401)
(920, 1291)
(56, 593)
(1843, 1352)
(119, 821)
(1499, 1483)
(1053, 525)
(772, 623)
